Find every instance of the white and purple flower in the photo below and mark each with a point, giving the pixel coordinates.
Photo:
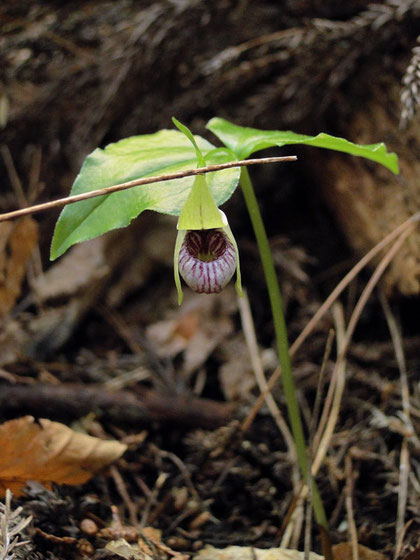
(206, 259)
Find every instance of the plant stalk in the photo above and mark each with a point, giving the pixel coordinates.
(281, 339)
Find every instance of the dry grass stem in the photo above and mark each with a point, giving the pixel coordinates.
(400, 526)
(404, 470)
(319, 389)
(332, 405)
(13, 176)
(396, 337)
(373, 281)
(11, 524)
(252, 344)
(349, 508)
(408, 225)
(122, 490)
(312, 428)
(152, 498)
(295, 521)
(338, 369)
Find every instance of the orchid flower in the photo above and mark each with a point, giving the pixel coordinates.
(206, 254)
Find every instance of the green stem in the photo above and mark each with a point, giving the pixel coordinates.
(281, 339)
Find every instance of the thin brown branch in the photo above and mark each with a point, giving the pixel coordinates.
(131, 407)
(138, 182)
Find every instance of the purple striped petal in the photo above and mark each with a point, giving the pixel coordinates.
(207, 260)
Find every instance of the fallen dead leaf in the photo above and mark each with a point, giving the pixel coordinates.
(196, 329)
(143, 549)
(237, 378)
(17, 241)
(126, 550)
(250, 553)
(151, 537)
(84, 264)
(50, 452)
(343, 551)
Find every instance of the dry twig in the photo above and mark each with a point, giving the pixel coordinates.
(251, 341)
(349, 508)
(404, 470)
(76, 400)
(138, 182)
(11, 524)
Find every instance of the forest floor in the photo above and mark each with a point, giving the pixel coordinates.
(96, 341)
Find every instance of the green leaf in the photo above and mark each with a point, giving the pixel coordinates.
(164, 152)
(185, 130)
(245, 141)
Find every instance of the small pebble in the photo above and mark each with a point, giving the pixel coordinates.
(88, 527)
(178, 543)
(200, 520)
(85, 548)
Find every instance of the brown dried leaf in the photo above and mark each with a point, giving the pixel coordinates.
(17, 241)
(126, 550)
(344, 551)
(50, 452)
(251, 553)
(196, 330)
(149, 546)
(153, 537)
(83, 265)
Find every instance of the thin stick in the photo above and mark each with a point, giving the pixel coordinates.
(332, 400)
(22, 200)
(312, 428)
(404, 473)
(397, 342)
(402, 497)
(13, 176)
(349, 508)
(320, 388)
(123, 492)
(251, 342)
(138, 182)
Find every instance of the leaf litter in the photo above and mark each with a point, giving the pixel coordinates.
(49, 452)
(235, 473)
